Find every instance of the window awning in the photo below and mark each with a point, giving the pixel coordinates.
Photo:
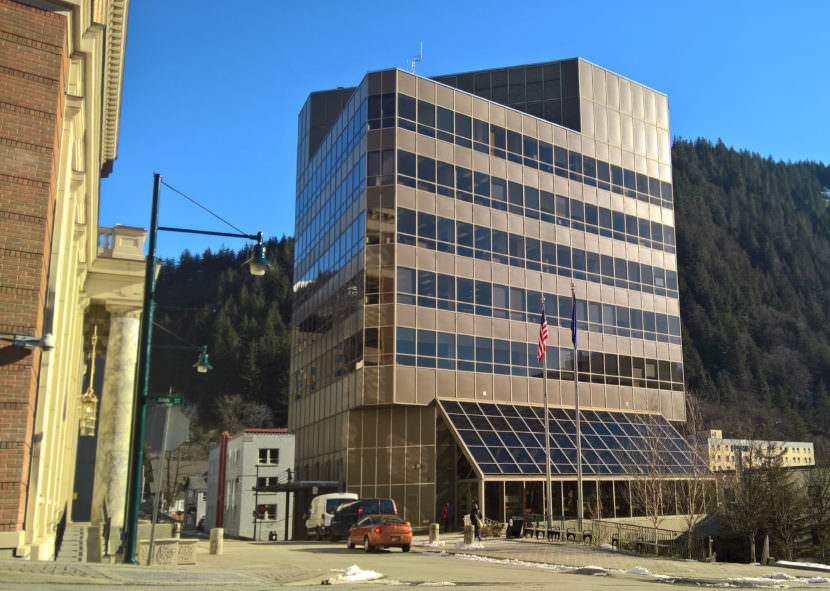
(509, 440)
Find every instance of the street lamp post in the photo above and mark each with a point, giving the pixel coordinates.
(258, 266)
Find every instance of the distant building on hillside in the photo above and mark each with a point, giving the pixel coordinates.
(255, 459)
(724, 454)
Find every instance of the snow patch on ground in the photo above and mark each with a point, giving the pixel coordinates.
(512, 562)
(813, 565)
(473, 546)
(637, 570)
(432, 544)
(353, 574)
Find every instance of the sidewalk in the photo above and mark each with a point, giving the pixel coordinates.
(246, 564)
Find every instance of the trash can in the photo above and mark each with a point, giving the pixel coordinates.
(272, 536)
(514, 527)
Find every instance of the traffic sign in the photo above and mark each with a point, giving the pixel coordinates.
(260, 511)
(168, 399)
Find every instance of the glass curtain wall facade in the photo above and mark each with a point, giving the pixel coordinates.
(432, 215)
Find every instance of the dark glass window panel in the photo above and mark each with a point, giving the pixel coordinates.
(500, 296)
(642, 183)
(532, 249)
(605, 218)
(618, 221)
(484, 350)
(514, 142)
(499, 190)
(578, 259)
(498, 137)
(481, 131)
(563, 255)
(644, 228)
(620, 269)
(483, 293)
(531, 198)
(674, 326)
(406, 163)
(499, 241)
(657, 232)
(633, 271)
(589, 166)
(482, 238)
(622, 317)
(446, 174)
(616, 175)
(426, 343)
(575, 161)
(463, 179)
(515, 193)
(426, 283)
(560, 157)
(668, 235)
(406, 280)
(545, 152)
(465, 290)
(662, 322)
(517, 299)
(446, 230)
(516, 85)
(516, 245)
(406, 107)
(595, 312)
(466, 347)
(518, 353)
(603, 171)
(446, 286)
(445, 120)
(426, 114)
(637, 319)
(426, 225)
(426, 169)
(629, 179)
(654, 187)
(406, 221)
(464, 232)
(593, 262)
(531, 147)
(646, 275)
(648, 321)
(548, 253)
(631, 225)
(577, 210)
(463, 126)
(606, 265)
(406, 341)
(563, 207)
(482, 184)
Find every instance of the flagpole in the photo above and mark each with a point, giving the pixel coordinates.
(547, 432)
(580, 507)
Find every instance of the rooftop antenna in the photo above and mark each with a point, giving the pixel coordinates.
(418, 57)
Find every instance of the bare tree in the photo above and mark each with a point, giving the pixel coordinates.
(785, 504)
(646, 489)
(818, 510)
(236, 413)
(692, 492)
(747, 496)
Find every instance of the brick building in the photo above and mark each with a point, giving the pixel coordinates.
(61, 66)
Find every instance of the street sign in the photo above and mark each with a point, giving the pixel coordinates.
(168, 399)
(260, 511)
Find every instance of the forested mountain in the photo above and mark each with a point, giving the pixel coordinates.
(244, 320)
(753, 243)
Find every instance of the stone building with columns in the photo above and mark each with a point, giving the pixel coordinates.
(61, 73)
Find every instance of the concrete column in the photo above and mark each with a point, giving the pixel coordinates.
(115, 417)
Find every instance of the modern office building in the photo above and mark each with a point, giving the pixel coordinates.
(432, 215)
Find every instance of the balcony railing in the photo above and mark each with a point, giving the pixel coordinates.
(121, 242)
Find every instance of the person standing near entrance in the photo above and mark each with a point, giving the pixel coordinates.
(475, 519)
(445, 516)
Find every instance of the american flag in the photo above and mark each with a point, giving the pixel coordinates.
(543, 336)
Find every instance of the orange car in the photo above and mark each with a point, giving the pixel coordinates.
(374, 531)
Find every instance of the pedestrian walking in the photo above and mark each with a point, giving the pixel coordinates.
(445, 517)
(475, 519)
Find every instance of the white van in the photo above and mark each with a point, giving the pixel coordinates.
(321, 511)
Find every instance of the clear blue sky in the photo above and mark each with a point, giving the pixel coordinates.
(212, 89)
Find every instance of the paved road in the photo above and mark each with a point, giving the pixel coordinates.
(499, 564)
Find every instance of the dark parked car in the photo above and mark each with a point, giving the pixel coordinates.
(348, 515)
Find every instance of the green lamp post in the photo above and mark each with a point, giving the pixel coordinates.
(258, 265)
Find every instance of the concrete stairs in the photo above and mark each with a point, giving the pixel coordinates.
(75, 541)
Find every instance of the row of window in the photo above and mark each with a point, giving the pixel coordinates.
(490, 191)
(446, 235)
(312, 182)
(446, 350)
(311, 261)
(434, 121)
(447, 292)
